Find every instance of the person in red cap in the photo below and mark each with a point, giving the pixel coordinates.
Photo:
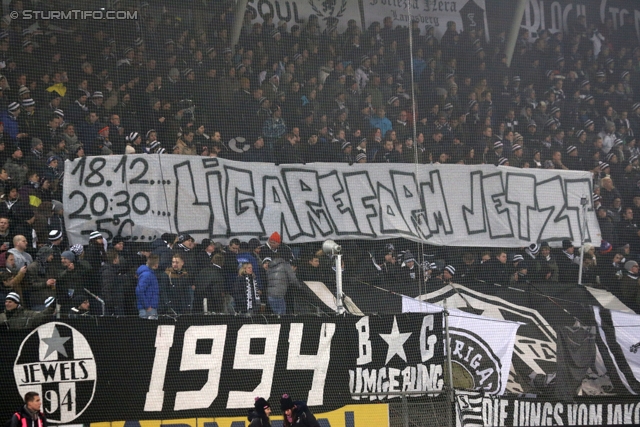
(96, 146)
(275, 240)
(274, 248)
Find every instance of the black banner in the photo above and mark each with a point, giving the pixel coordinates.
(474, 409)
(108, 369)
(560, 15)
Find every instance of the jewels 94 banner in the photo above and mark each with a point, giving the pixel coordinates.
(214, 366)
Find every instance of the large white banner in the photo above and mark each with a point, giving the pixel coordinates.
(142, 196)
(481, 347)
(297, 12)
(467, 14)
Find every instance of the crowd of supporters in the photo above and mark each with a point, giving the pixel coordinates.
(303, 94)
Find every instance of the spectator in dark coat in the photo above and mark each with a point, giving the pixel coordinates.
(96, 257)
(114, 282)
(162, 248)
(181, 288)
(607, 228)
(608, 192)
(71, 280)
(210, 285)
(41, 278)
(567, 267)
(631, 286)
(496, 270)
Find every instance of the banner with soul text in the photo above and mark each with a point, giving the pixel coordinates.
(140, 197)
(296, 12)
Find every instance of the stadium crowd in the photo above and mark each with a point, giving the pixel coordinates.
(303, 94)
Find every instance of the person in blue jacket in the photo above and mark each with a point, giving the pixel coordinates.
(148, 289)
(10, 120)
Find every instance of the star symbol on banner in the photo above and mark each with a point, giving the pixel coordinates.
(55, 343)
(396, 341)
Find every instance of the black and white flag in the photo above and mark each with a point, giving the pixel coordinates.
(620, 335)
(469, 409)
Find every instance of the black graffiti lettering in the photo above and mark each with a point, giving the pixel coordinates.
(104, 231)
(550, 197)
(279, 12)
(122, 166)
(364, 196)
(304, 188)
(475, 216)
(522, 202)
(391, 219)
(145, 167)
(77, 213)
(220, 226)
(242, 206)
(136, 206)
(575, 189)
(337, 206)
(121, 229)
(277, 209)
(209, 162)
(191, 199)
(436, 208)
(409, 200)
(498, 216)
(266, 6)
(80, 167)
(104, 204)
(124, 203)
(95, 172)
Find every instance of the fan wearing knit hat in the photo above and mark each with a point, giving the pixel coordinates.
(96, 253)
(274, 248)
(411, 275)
(630, 282)
(448, 273)
(17, 317)
(259, 417)
(74, 277)
(55, 235)
(296, 413)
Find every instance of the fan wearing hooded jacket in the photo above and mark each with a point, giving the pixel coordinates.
(259, 417)
(296, 413)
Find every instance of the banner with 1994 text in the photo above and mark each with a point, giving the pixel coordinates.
(140, 197)
(107, 369)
